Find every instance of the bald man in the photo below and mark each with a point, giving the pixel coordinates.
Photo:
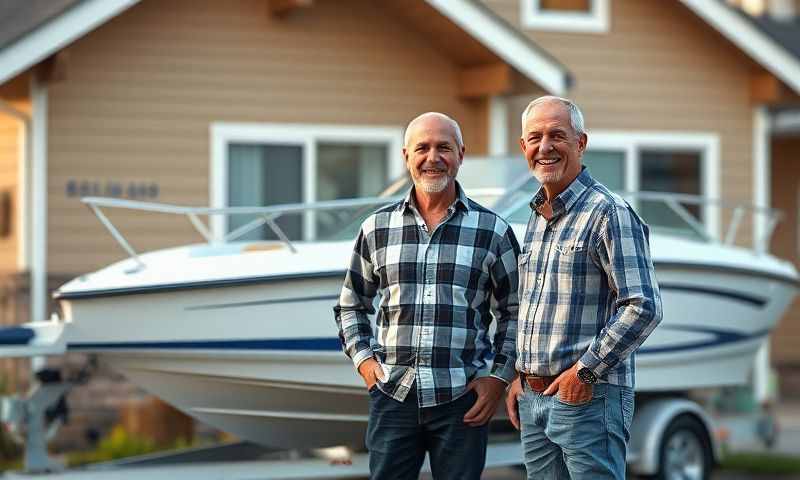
(446, 268)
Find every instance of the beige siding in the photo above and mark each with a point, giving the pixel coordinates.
(785, 241)
(142, 90)
(660, 68)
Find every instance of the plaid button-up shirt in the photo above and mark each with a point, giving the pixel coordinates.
(588, 291)
(439, 292)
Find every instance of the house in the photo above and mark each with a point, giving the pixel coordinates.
(191, 101)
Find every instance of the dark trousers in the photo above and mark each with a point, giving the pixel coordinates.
(399, 435)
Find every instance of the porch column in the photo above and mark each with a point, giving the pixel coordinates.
(38, 308)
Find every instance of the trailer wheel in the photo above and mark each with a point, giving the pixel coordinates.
(685, 451)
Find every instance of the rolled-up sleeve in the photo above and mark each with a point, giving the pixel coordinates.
(623, 251)
(355, 304)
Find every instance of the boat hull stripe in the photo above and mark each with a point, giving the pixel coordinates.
(718, 338)
(738, 296)
(263, 302)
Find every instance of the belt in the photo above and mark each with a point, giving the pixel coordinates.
(537, 384)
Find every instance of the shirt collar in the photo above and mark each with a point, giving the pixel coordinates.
(460, 202)
(566, 199)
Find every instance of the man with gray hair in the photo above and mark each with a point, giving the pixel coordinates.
(446, 268)
(588, 299)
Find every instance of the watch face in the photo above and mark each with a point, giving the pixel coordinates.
(587, 376)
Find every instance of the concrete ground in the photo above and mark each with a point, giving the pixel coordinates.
(741, 439)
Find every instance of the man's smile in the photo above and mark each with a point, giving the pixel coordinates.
(548, 161)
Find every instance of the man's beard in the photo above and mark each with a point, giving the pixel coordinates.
(551, 177)
(433, 185)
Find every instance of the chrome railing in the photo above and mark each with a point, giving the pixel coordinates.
(264, 216)
(513, 206)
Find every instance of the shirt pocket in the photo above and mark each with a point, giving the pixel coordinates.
(571, 257)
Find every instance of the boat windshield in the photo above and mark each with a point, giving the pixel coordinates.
(352, 218)
(666, 214)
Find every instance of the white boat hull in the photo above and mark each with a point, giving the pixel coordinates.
(262, 360)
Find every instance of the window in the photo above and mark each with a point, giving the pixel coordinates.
(608, 167)
(267, 164)
(584, 6)
(261, 175)
(566, 15)
(670, 172)
(671, 163)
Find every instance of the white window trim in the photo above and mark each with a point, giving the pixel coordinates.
(305, 135)
(632, 143)
(596, 21)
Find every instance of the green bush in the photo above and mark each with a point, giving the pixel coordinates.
(120, 444)
(761, 463)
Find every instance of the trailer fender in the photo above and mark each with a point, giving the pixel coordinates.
(649, 425)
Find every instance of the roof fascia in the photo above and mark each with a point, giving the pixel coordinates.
(748, 38)
(505, 43)
(58, 33)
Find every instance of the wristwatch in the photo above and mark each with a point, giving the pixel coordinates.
(587, 376)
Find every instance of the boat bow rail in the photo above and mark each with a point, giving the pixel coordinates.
(264, 216)
(675, 214)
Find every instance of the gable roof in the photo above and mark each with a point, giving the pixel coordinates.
(764, 48)
(19, 17)
(44, 30)
(45, 26)
(787, 34)
(507, 43)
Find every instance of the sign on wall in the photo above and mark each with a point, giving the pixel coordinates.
(133, 190)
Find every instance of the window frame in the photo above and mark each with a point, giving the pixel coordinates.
(307, 136)
(598, 20)
(632, 144)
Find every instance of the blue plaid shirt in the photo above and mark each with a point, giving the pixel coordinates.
(439, 292)
(588, 290)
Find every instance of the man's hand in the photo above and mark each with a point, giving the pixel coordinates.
(369, 371)
(489, 390)
(571, 390)
(512, 403)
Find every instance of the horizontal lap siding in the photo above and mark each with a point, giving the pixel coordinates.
(142, 91)
(660, 68)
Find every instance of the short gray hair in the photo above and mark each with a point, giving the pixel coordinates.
(575, 114)
(453, 123)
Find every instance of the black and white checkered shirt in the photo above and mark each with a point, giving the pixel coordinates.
(439, 292)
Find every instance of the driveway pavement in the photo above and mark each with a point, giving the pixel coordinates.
(741, 439)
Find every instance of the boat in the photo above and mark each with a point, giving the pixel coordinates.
(240, 334)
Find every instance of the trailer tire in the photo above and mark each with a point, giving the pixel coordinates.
(685, 450)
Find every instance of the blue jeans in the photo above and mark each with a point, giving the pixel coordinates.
(399, 435)
(587, 441)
